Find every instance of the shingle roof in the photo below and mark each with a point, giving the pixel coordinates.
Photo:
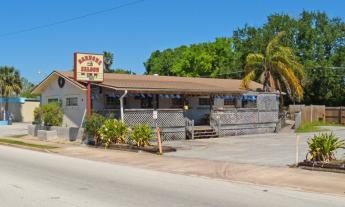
(169, 84)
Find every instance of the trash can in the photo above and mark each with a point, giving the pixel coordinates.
(10, 117)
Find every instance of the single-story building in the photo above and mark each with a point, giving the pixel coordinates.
(192, 107)
(20, 108)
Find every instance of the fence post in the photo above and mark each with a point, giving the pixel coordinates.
(219, 127)
(192, 129)
(298, 120)
(339, 114)
(311, 113)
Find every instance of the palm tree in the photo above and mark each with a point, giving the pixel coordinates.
(10, 83)
(108, 61)
(278, 67)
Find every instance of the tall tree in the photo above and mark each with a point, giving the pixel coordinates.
(108, 61)
(27, 87)
(278, 66)
(210, 59)
(325, 86)
(10, 83)
(123, 71)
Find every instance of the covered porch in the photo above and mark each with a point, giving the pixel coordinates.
(196, 106)
(181, 114)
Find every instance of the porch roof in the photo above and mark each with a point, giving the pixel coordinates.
(166, 84)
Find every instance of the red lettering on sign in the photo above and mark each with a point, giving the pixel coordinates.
(90, 69)
(89, 58)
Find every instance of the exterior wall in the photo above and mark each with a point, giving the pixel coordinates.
(73, 115)
(20, 108)
(23, 112)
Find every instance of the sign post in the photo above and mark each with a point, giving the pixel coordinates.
(88, 99)
(88, 68)
(159, 142)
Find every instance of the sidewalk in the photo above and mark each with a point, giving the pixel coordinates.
(322, 182)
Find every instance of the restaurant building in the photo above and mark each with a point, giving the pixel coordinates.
(182, 107)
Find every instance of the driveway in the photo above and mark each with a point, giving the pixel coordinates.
(260, 149)
(16, 129)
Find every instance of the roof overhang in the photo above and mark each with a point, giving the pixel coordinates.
(39, 88)
(171, 91)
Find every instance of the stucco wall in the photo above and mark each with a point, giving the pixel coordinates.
(23, 112)
(73, 114)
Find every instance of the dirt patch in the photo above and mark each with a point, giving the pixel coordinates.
(133, 148)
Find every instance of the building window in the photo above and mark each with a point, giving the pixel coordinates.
(72, 101)
(204, 101)
(51, 100)
(229, 102)
(112, 101)
(249, 102)
(146, 103)
(177, 102)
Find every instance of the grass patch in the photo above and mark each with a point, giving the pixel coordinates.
(25, 144)
(315, 126)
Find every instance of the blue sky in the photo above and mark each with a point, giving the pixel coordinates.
(131, 33)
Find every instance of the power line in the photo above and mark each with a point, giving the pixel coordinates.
(71, 19)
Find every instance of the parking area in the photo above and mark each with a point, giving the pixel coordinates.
(16, 129)
(261, 149)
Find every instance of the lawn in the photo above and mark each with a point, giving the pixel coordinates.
(10, 141)
(315, 126)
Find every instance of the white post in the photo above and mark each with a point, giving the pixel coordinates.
(297, 149)
(121, 105)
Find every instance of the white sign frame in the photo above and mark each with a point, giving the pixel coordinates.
(88, 67)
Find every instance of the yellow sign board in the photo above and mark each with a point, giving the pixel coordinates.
(88, 67)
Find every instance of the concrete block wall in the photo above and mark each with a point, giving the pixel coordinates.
(65, 133)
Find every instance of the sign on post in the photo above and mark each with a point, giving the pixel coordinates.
(155, 114)
(88, 67)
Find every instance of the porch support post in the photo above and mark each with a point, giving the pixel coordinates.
(121, 105)
(157, 101)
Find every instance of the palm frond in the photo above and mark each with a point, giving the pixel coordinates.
(274, 43)
(291, 78)
(248, 78)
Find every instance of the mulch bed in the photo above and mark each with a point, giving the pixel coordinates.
(322, 166)
(134, 148)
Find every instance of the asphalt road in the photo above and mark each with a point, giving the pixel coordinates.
(34, 179)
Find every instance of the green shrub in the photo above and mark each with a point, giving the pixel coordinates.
(113, 131)
(92, 124)
(38, 115)
(141, 135)
(323, 146)
(50, 114)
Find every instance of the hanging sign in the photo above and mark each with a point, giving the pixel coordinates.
(88, 67)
